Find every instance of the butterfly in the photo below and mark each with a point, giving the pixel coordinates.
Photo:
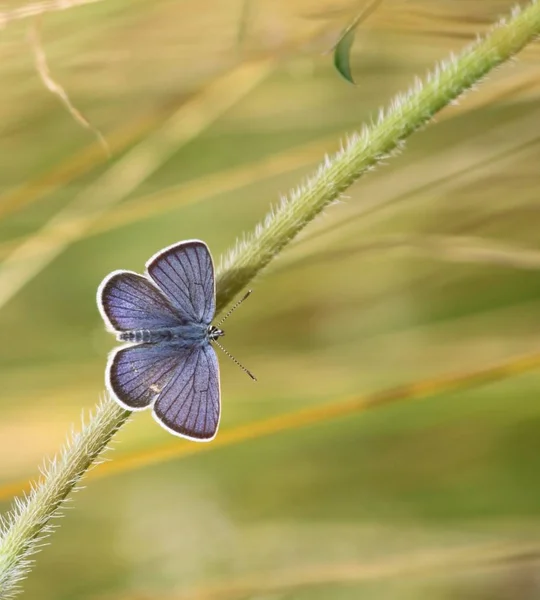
(168, 362)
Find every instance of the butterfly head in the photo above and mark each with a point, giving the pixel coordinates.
(213, 332)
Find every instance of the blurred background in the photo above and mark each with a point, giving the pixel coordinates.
(211, 111)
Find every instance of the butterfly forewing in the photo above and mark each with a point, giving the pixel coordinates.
(185, 273)
(129, 301)
(190, 403)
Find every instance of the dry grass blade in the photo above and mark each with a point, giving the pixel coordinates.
(88, 158)
(70, 223)
(80, 163)
(448, 248)
(55, 88)
(443, 173)
(435, 563)
(39, 8)
(168, 199)
(310, 416)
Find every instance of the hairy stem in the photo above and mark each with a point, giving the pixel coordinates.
(406, 114)
(30, 518)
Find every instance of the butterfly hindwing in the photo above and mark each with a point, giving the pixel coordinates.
(137, 374)
(190, 403)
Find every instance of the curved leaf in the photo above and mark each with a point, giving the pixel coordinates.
(342, 55)
(342, 50)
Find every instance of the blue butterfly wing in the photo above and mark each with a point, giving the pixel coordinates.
(185, 274)
(189, 405)
(136, 375)
(129, 301)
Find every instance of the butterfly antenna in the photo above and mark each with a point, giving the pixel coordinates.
(231, 356)
(232, 309)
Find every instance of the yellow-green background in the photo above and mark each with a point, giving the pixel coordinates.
(427, 267)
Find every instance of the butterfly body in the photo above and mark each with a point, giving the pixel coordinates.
(181, 336)
(168, 362)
